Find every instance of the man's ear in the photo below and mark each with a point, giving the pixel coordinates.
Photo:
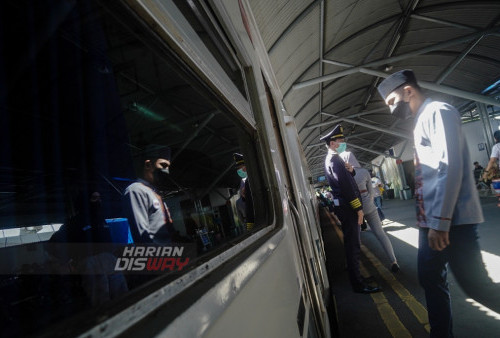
(408, 91)
(148, 164)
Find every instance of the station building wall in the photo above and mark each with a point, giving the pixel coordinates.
(389, 171)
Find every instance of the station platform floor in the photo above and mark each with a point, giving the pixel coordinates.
(399, 310)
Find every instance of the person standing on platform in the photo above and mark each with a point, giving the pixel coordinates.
(347, 206)
(245, 203)
(448, 206)
(478, 169)
(377, 197)
(147, 213)
(492, 169)
(366, 190)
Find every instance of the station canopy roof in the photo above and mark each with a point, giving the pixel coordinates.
(329, 56)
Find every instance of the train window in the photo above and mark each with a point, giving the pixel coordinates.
(116, 167)
(205, 24)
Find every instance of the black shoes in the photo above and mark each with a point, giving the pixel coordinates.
(367, 289)
(395, 267)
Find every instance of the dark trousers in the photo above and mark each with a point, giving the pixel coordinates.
(464, 258)
(352, 243)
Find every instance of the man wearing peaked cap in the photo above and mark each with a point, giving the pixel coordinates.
(347, 206)
(244, 204)
(336, 132)
(239, 160)
(448, 206)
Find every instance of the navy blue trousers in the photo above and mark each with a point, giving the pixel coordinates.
(352, 242)
(463, 255)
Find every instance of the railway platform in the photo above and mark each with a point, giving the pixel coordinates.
(399, 310)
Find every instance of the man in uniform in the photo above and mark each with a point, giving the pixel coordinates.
(245, 203)
(448, 206)
(147, 213)
(347, 206)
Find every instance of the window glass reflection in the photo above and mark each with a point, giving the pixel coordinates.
(115, 169)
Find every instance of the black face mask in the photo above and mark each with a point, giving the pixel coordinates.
(161, 178)
(401, 110)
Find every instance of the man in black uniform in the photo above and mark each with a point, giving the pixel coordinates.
(245, 202)
(347, 207)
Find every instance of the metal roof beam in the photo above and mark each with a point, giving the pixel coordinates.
(381, 129)
(397, 58)
(317, 156)
(321, 45)
(442, 89)
(393, 124)
(371, 150)
(194, 134)
(358, 147)
(400, 26)
(443, 22)
(295, 22)
(360, 135)
(367, 125)
(457, 61)
(339, 119)
(336, 63)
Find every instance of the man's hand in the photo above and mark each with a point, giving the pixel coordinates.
(360, 217)
(349, 167)
(438, 240)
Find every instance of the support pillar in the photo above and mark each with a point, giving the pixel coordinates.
(487, 128)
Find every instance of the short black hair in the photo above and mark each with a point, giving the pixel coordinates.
(496, 135)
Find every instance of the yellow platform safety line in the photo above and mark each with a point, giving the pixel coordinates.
(389, 316)
(414, 305)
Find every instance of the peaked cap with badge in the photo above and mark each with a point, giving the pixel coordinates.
(336, 132)
(239, 160)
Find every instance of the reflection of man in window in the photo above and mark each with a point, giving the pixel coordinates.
(148, 214)
(245, 203)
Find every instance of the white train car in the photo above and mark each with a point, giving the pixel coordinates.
(91, 84)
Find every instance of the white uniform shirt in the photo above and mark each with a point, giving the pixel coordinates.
(495, 152)
(147, 214)
(375, 183)
(445, 190)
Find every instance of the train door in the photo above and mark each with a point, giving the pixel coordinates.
(307, 220)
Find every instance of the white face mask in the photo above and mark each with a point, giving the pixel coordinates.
(242, 173)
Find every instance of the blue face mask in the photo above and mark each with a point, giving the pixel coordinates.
(242, 173)
(341, 147)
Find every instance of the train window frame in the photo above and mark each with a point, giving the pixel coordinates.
(214, 261)
(199, 14)
(168, 22)
(217, 266)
